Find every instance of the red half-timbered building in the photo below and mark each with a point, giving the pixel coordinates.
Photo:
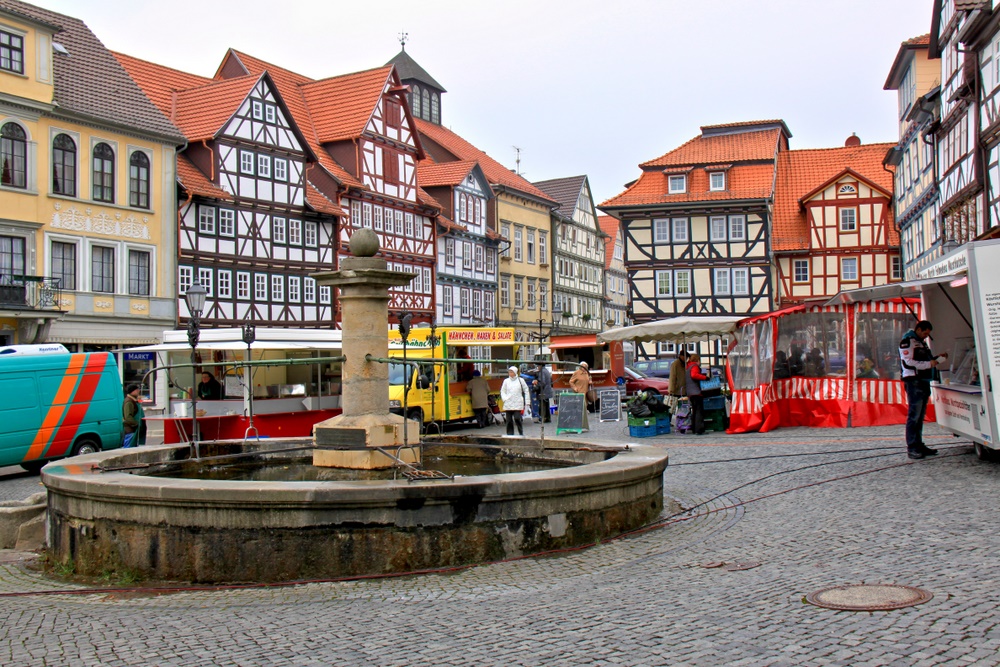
(833, 222)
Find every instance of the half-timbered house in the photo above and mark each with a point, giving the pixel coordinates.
(833, 222)
(916, 79)
(251, 227)
(987, 45)
(578, 254)
(466, 246)
(696, 225)
(959, 163)
(362, 123)
(615, 277)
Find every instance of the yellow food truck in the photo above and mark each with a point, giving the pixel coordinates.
(437, 391)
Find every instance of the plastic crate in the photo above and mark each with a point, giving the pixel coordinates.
(715, 403)
(662, 424)
(642, 431)
(715, 420)
(642, 421)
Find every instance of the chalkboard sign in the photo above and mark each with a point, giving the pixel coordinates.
(571, 417)
(611, 405)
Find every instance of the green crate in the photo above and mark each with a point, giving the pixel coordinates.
(642, 421)
(715, 420)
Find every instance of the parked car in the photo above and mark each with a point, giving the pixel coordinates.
(657, 368)
(636, 380)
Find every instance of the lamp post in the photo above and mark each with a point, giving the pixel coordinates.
(249, 336)
(195, 298)
(513, 318)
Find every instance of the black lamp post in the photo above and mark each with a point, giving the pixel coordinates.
(542, 335)
(249, 336)
(513, 318)
(195, 298)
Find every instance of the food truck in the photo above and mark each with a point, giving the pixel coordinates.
(960, 294)
(437, 391)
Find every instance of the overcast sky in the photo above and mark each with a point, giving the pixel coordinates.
(580, 86)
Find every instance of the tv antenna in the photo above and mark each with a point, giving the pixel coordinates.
(517, 160)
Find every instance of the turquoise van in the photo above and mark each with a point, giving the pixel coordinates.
(56, 403)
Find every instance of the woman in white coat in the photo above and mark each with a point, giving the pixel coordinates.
(514, 394)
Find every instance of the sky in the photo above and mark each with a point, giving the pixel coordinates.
(579, 86)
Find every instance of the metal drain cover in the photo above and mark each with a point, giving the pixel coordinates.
(868, 597)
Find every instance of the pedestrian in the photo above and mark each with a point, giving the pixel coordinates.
(516, 399)
(694, 377)
(918, 364)
(479, 391)
(581, 383)
(209, 389)
(543, 389)
(678, 385)
(131, 416)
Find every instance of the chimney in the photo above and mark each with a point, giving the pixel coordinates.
(853, 140)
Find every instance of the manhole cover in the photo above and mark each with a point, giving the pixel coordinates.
(868, 597)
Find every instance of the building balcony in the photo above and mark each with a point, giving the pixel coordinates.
(28, 293)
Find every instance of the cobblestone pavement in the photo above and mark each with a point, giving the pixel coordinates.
(831, 507)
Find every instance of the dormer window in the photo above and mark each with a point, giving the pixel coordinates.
(11, 52)
(717, 181)
(678, 184)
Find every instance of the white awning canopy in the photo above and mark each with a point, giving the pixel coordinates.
(674, 329)
(910, 288)
(232, 339)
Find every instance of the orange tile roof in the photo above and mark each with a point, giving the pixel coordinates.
(201, 112)
(321, 203)
(433, 174)
(424, 198)
(341, 106)
(749, 181)
(196, 183)
(449, 224)
(159, 82)
(719, 148)
(609, 226)
(289, 87)
(802, 173)
(463, 150)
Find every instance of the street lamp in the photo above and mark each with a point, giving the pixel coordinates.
(249, 336)
(195, 298)
(542, 335)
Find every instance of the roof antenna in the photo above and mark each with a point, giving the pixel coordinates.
(403, 36)
(517, 160)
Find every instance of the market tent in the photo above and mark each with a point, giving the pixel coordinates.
(674, 329)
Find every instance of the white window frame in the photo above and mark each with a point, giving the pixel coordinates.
(852, 224)
(294, 289)
(227, 222)
(664, 283)
(366, 215)
(718, 227)
(449, 251)
(247, 162)
(294, 232)
(737, 228)
(310, 233)
(477, 304)
(410, 232)
(257, 109)
(661, 230)
(518, 293)
(206, 278)
(377, 219)
(714, 176)
(740, 274)
(505, 292)
(722, 283)
(844, 263)
(278, 228)
(479, 260)
(463, 301)
(896, 262)
(309, 290)
(518, 240)
(677, 281)
(225, 284)
(543, 248)
(447, 300)
(280, 169)
(260, 287)
(185, 278)
(466, 255)
(270, 113)
(243, 285)
(679, 225)
(677, 184)
(206, 219)
(325, 295)
(264, 166)
(530, 246)
(796, 265)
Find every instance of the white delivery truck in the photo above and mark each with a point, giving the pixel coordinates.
(960, 294)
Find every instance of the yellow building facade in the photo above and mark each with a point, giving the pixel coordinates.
(88, 191)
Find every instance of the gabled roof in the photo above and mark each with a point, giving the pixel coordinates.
(497, 174)
(437, 174)
(409, 69)
(341, 106)
(202, 112)
(896, 71)
(90, 82)
(802, 174)
(564, 191)
(160, 83)
(749, 181)
(721, 148)
(609, 226)
(196, 183)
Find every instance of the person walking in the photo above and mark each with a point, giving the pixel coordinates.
(581, 383)
(479, 391)
(131, 416)
(678, 384)
(516, 397)
(543, 389)
(918, 364)
(693, 379)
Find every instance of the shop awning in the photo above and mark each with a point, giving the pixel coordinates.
(674, 329)
(238, 345)
(563, 342)
(909, 288)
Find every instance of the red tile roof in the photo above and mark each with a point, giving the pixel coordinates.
(341, 106)
(321, 203)
(195, 183)
(202, 112)
(449, 224)
(609, 226)
(751, 181)
(803, 173)
(434, 174)
(158, 82)
(463, 150)
(718, 148)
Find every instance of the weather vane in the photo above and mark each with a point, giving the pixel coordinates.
(403, 36)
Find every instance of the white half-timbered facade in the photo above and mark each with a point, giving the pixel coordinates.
(696, 227)
(578, 256)
(467, 261)
(987, 45)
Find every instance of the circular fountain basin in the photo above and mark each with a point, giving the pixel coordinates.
(120, 510)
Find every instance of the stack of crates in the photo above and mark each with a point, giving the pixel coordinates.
(715, 413)
(662, 423)
(641, 427)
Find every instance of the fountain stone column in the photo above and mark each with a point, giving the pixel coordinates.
(350, 439)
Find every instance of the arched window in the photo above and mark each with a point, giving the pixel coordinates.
(13, 156)
(416, 101)
(426, 103)
(435, 116)
(138, 180)
(64, 165)
(104, 174)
